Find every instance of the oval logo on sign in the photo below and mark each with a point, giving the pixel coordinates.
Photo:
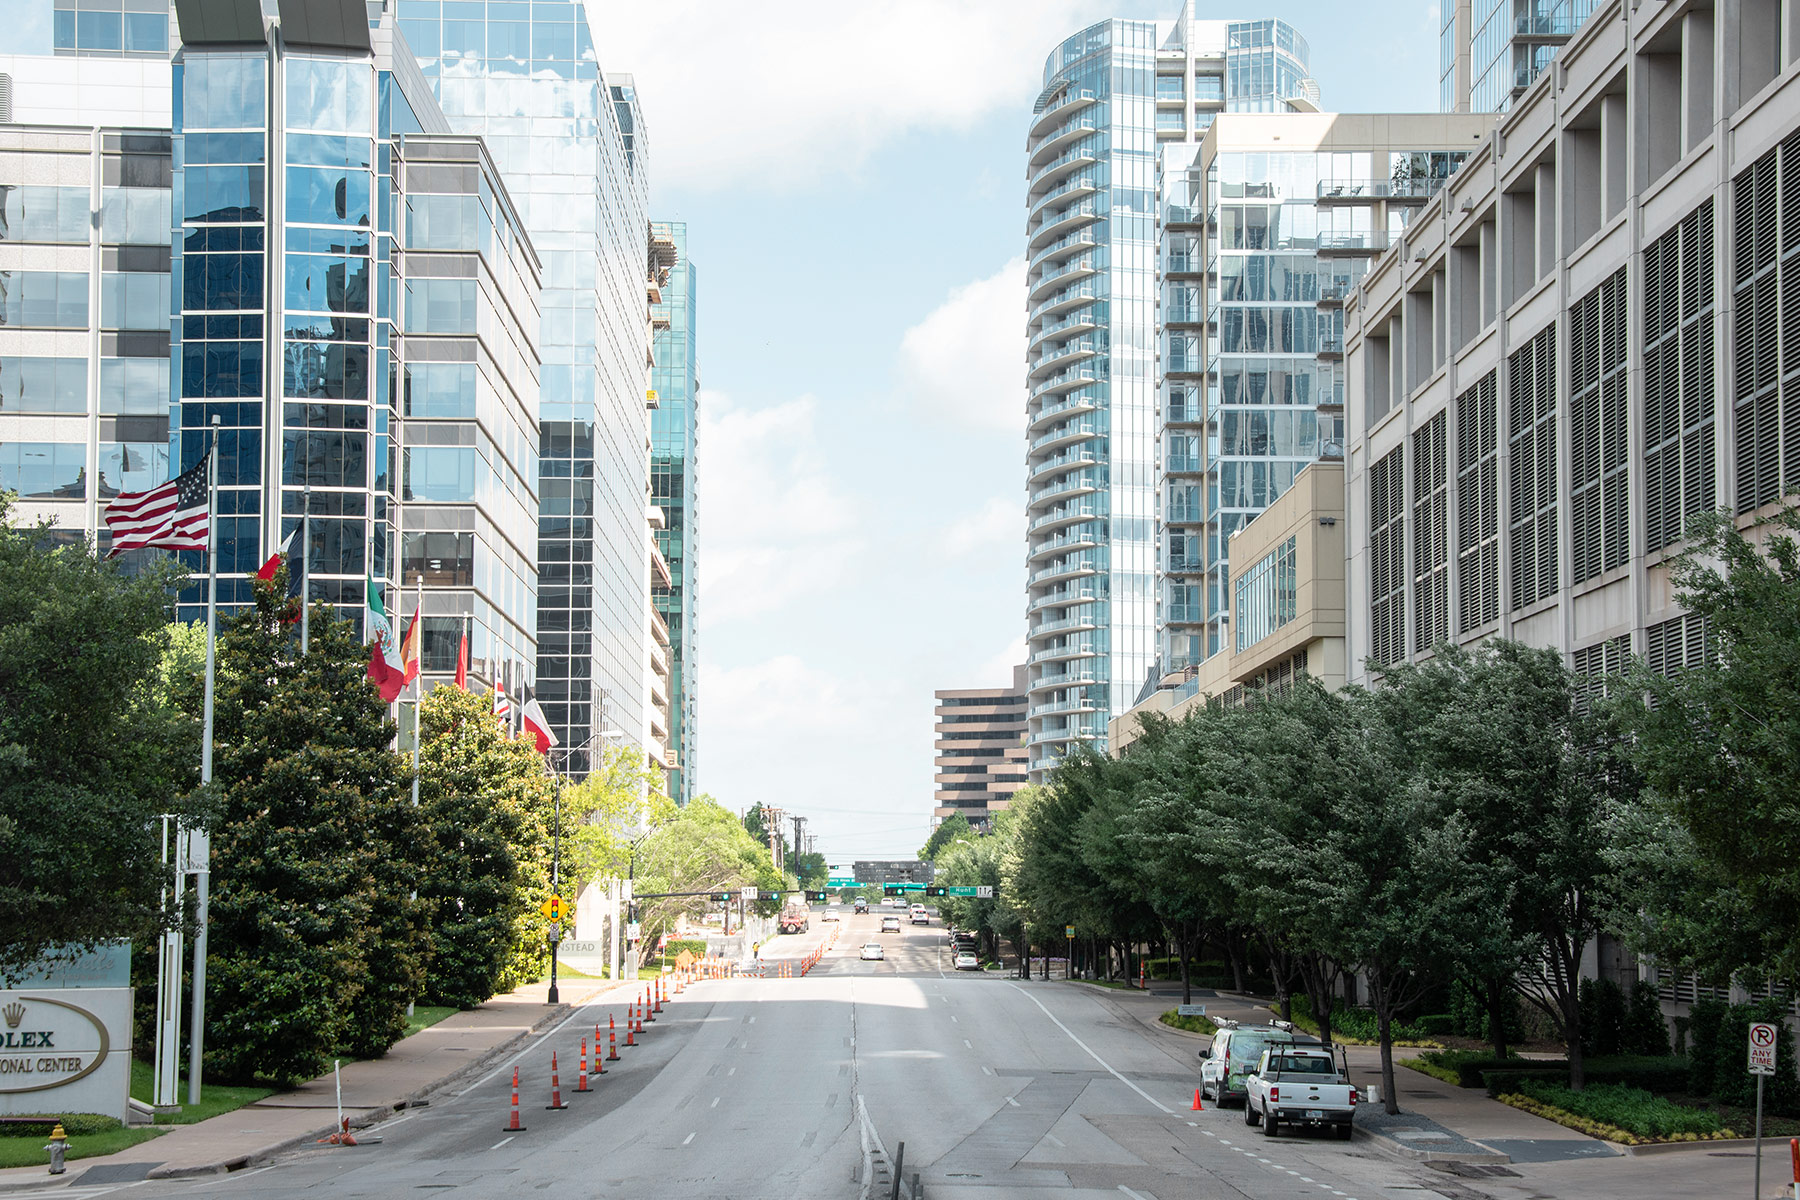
(47, 1043)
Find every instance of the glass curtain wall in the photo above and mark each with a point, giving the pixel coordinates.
(673, 446)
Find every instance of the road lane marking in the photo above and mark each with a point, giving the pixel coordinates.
(968, 1043)
(500, 1143)
(953, 1018)
(987, 1070)
(1132, 1194)
(715, 1103)
(733, 1071)
(1193, 1124)
(1109, 1067)
(687, 1139)
(1051, 1137)
(1012, 1102)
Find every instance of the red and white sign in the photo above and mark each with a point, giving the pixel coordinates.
(1762, 1048)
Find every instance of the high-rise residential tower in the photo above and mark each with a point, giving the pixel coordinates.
(569, 141)
(673, 445)
(1490, 51)
(1119, 98)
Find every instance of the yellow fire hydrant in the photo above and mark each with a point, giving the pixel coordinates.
(58, 1148)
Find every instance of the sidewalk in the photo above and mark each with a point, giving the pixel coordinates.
(431, 1059)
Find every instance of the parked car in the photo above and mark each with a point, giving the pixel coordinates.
(890, 924)
(1235, 1051)
(966, 961)
(1300, 1085)
(872, 950)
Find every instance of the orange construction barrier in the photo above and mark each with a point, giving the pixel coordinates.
(556, 1100)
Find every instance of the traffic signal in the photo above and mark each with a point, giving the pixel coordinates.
(815, 897)
(937, 891)
(891, 889)
(768, 895)
(722, 897)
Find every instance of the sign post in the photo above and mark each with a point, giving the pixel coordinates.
(1761, 1065)
(1069, 966)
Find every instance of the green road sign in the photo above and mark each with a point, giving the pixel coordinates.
(841, 883)
(894, 889)
(982, 892)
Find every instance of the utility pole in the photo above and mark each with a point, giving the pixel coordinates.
(798, 822)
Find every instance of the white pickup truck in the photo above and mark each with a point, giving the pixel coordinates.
(1300, 1085)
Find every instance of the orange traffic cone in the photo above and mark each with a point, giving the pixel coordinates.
(612, 1039)
(1198, 1107)
(556, 1100)
(630, 1029)
(599, 1063)
(513, 1126)
(581, 1080)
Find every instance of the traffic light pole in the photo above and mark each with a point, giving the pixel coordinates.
(555, 864)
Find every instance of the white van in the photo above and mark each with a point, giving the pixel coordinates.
(919, 915)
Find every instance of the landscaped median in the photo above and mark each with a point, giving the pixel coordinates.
(1617, 1113)
(1175, 1020)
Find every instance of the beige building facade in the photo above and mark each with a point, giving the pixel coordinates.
(980, 756)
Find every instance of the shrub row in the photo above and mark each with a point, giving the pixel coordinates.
(1637, 1071)
(1357, 1024)
(74, 1124)
(1617, 1112)
(1191, 1024)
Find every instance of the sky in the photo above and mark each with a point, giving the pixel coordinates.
(852, 176)
(853, 180)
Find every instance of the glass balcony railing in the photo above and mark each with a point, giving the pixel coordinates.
(1087, 372)
(1063, 462)
(1082, 154)
(1068, 295)
(1084, 400)
(1183, 314)
(1545, 25)
(1184, 464)
(1082, 319)
(1184, 614)
(1352, 190)
(1079, 183)
(1068, 512)
(1182, 264)
(1184, 214)
(1366, 239)
(1065, 596)
(1331, 345)
(1075, 429)
(1081, 237)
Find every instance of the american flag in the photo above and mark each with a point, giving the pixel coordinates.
(172, 516)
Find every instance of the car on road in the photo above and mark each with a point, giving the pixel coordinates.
(966, 961)
(919, 915)
(1300, 1085)
(890, 924)
(1235, 1051)
(861, 906)
(830, 915)
(873, 950)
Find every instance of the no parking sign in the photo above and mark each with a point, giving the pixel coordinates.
(1762, 1048)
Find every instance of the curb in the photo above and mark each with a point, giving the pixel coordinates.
(1394, 1146)
(1652, 1149)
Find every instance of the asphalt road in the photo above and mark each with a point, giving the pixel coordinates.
(789, 1089)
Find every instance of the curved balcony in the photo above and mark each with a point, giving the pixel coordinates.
(1077, 403)
(1077, 322)
(1080, 267)
(1083, 704)
(1082, 456)
(1063, 136)
(1077, 431)
(1080, 648)
(1063, 354)
(1072, 189)
(1066, 515)
(1079, 673)
(1081, 624)
(1078, 215)
(1060, 168)
(1069, 379)
(1071, 101)
(1064, 246)
(1083, 484)
(1075, 539)
(1063, 301)
(1063, 598)
(1080, 565)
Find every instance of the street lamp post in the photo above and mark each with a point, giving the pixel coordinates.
(554, 996)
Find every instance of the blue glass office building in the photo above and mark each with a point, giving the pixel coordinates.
(1121, 100)
(569, 141)
(1490, 51)
(674, 584)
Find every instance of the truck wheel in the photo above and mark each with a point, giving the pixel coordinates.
(1269, 1126)
(1251, 1116)
(1344, 1132)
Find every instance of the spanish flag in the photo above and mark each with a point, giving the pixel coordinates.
(409, 651)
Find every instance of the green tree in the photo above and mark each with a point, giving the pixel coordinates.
(90, 747)
(952, 828)
(486, 805)
(1715, 745)
(704, 847)
(316, 947)
(617, 803)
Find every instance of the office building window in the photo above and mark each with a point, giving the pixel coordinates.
(1599, 505)
(1387, 559)
(1267, 594)
(1766, 289)
(1431, 535)
(1478, 505)
(1531, 419)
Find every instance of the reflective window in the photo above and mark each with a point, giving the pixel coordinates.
(329, 94)
(327, 195)
(44, 470)
(45, 300)
(146, 33)
(99, 31)
(444, 559)
(221, 91)
(132, 466)
(134, 386)
(440, 473)
(327, 283)
(45, 385)
(324, 458)
(221, 369)
(440, 390)
(443, 222)
(134, 300)
(44, 214)
(1267, 595)
(221, 281)
(213, 193)
(325, 370)
(327, 150)
(440, 306)
(135, 216)
(222, 148)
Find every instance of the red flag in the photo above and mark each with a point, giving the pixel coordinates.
(172, 516)
(462, 662)
(267, 571)
(538, 725)
(409, 650)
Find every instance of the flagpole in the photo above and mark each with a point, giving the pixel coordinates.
(419, 719)
(201, 841)
(305, 566)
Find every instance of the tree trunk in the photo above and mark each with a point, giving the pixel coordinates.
(1390, 1102)
(1024, 955)
(1571, 1007)
(1498, 996)
(1187, 981)
(1234, 951)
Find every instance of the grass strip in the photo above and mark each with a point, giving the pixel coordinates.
(214, 1098)
(424, 1016)
(1174, 1019)
(30, 1152)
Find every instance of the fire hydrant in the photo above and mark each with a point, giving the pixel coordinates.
(58, 1148)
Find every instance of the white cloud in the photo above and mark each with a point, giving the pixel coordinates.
(996, 527)
(778, 96)
(999, 668)
(774, 523)
(780, 695)
(965, 361)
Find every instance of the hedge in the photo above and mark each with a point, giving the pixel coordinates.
(1617, 1112)
(37, 1125)
(1643, 1072)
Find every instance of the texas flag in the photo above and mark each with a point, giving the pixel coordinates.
(267, 571)
(538, 725)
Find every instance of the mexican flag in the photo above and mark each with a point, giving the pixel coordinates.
(386, 671)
